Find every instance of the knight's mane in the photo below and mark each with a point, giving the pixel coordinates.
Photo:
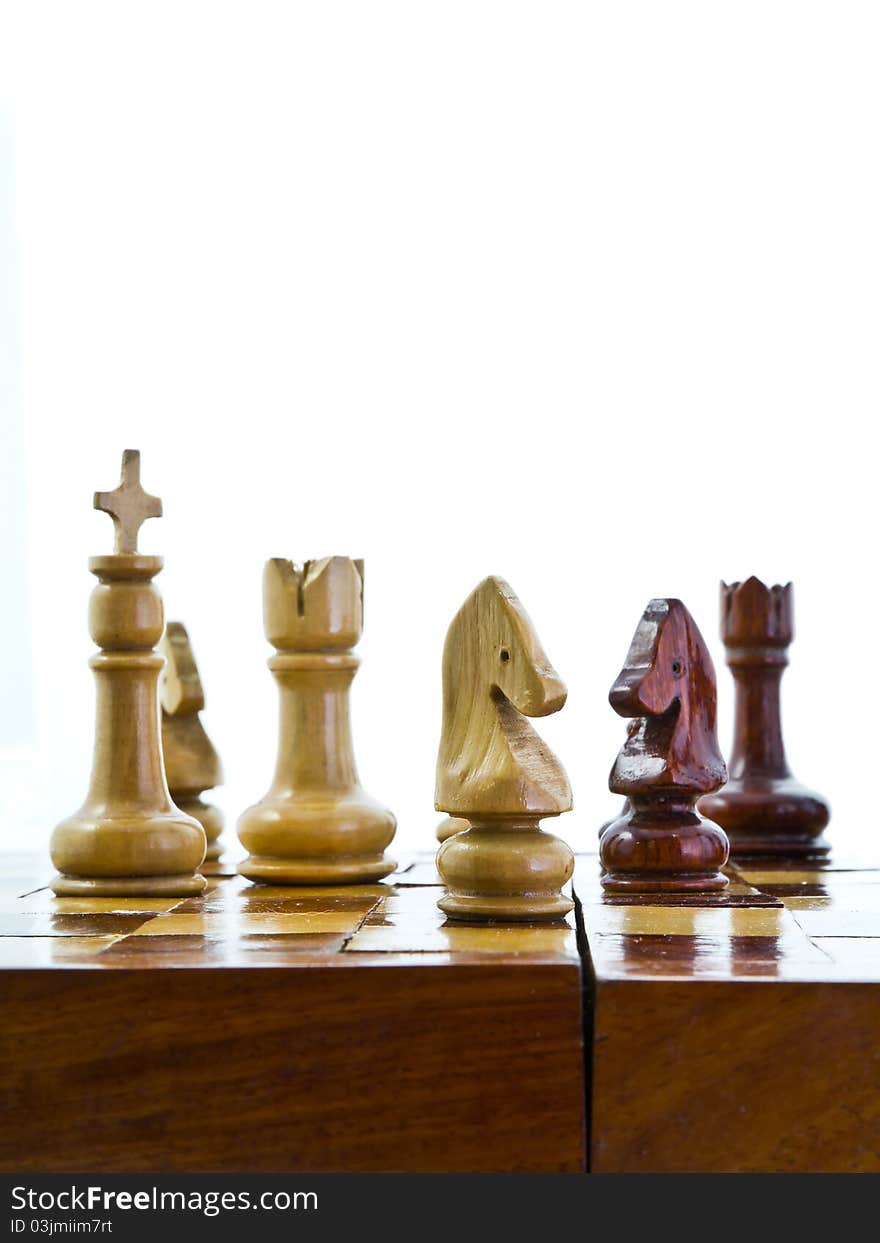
(464, 734)
(699, 709)
(489, 754)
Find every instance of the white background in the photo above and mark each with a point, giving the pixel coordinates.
(585, 295)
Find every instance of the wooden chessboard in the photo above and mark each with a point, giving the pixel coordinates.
(259, 1029)
(741, 1034)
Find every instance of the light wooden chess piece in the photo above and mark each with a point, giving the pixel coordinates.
(191, 763)
(449, 826)
(316, 825)
(494, 771)
(128, 838)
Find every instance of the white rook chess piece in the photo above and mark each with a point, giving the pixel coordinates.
(316, 825)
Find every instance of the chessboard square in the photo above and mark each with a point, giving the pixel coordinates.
(422, 917)
(760, 876)
(233, 924)
(47, 924)
(253, 900)
(860, 956)
(692, 921)
(186, 950)
(703, 957)
(827, 876)
(52, 951)
(284, 893)
(852, 898)
(505, 939)
(834, 922)
(412, 925)
(28, 864)
(865, 862)
(419, 874)
(296, 905)
(14, 901)
(412, 908)
(733, 895)
(418, 898)
(44, 901)
(426, 917)
(807, 902)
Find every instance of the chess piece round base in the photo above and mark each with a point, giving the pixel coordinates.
(505, 871)
(505, 910)
(295, 840)
(687, 882)
(153, 853)
(674, 851)
(329, 870)
(209, 817)
(773, 816)
(128, 886)
(450, 826)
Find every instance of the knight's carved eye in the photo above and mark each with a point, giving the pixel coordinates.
(677, 669)
(505, 655)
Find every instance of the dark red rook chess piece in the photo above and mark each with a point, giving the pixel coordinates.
(763, 808)
(660, 843)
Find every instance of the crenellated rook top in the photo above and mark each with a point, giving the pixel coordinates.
(313, 607)
(754, 615)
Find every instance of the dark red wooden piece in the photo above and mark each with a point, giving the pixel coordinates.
(763, 808)
(660, 843)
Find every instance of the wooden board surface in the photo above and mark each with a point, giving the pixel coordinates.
(256, 1028)
(741, 1034)
(354, 1028)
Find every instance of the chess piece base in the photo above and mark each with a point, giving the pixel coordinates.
(449, 827)
(687, 882)
(155, 854)
(306, 839)
(505, 870)
(326, 870)
(128, 886)
(769, 845)
(773, 816)
(673, 850)
(506, 910)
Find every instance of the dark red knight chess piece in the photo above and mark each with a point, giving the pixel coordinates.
(660, 843)
(763, 808)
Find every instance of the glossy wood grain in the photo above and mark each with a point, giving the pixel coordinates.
(763, 808)
(733, 1039)
(263, 1028)
(295, 1069)
(495, 776)
(768, 1078)
(128, 838)
(316, 824)
(666, 689)
(737, 1030)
